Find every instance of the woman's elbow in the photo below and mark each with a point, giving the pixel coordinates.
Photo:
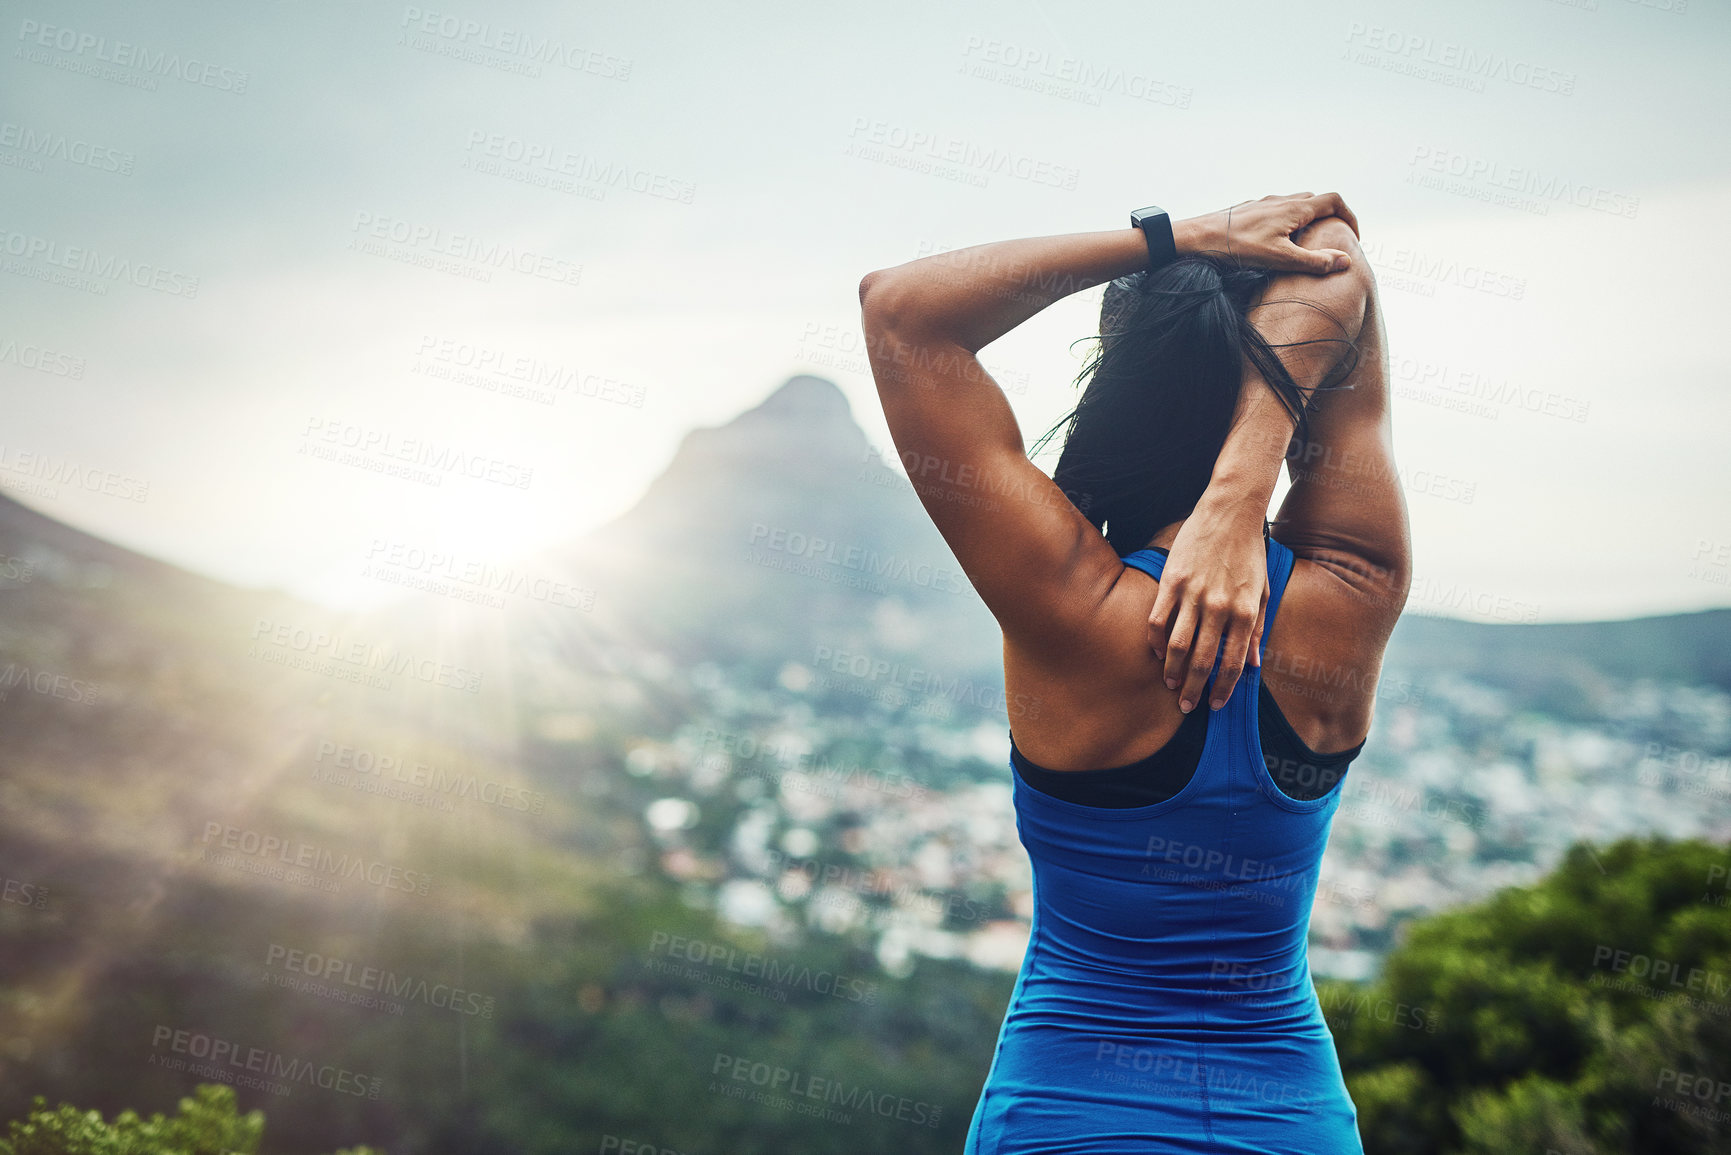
(880, 300)
(867, 284)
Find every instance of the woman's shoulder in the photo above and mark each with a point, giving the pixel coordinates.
(1323, 657)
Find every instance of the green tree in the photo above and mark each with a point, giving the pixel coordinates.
(208, 1124)
(1588, 1014)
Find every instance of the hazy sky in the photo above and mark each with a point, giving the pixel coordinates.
(240, 241)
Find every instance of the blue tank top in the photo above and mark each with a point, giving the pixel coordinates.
(1165, 1001)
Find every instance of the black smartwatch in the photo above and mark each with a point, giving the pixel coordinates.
(1156, 229)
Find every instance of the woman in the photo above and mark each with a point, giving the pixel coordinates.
(1165, 1001)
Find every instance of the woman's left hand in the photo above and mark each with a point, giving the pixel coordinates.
(1259, 233)
(1212, 598)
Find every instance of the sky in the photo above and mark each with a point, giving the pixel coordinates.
(258, 263)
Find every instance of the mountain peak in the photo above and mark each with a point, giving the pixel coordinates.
(799, 442)
(805, 398)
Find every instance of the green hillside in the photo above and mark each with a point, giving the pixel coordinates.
(1589, 1014)
(474, 862)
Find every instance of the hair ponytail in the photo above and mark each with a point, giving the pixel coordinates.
(1162, 385)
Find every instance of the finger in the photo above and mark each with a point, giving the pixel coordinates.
(1233, 644)
(1160, 618)
(1201, 662)
(1256, 633)
(1331, 205)
(1178, 646)
(1320, 262)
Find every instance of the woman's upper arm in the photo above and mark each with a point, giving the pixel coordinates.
(1346, 509)
(1037, 563)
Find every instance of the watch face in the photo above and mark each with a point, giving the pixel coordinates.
(1156, 229)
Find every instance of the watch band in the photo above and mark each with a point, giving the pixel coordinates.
(1156, 228)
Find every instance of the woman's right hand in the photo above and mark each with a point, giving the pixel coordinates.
(1259, 233)
(1212, 599)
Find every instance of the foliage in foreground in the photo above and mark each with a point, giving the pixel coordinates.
(208, 1124)
(1588, 1014)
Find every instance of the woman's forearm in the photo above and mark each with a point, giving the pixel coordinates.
(1299, 317)
(975, 295)
(1248, 467)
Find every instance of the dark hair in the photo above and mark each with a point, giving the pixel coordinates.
(1162, 387)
